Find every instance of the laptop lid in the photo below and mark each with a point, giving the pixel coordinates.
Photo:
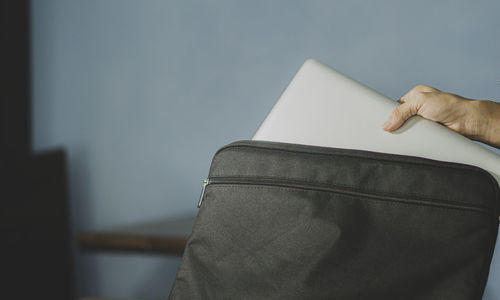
(324, 107)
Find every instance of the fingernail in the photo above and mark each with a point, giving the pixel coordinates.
(387, 124)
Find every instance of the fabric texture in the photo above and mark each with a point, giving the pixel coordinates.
(290, 221)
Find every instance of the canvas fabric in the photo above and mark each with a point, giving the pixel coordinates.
(289, 221)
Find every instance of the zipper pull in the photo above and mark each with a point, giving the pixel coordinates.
(205, 182)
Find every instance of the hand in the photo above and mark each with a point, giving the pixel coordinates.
(475, 119)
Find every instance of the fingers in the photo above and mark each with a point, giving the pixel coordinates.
(398, 116)
(411, 103)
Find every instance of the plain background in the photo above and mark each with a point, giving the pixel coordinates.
(142, 93)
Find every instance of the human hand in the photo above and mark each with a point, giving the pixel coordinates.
(476, 119)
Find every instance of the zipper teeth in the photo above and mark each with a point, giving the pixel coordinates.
(253, 181)
(365, 154)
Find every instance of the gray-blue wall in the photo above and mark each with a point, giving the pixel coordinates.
(142, 93)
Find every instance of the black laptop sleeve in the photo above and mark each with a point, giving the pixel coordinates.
(289, 221)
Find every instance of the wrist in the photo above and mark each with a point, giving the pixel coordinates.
(484, 121)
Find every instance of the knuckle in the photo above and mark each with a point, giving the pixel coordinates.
(420, 87)
(424, 88)
(419, 96)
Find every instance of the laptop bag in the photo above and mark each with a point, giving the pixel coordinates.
(290, 221)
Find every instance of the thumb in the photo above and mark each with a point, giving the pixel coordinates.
(398, 116)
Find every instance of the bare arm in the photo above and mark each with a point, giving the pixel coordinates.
(476, 119)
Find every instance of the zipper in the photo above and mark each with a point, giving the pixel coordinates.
(205, 183)
(338, 190)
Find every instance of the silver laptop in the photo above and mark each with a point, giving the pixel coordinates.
(324, 107)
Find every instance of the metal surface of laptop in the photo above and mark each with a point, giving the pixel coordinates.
(324, 107)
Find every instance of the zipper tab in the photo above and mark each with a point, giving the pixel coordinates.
(205, 183)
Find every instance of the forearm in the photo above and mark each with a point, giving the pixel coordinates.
(484, 122)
